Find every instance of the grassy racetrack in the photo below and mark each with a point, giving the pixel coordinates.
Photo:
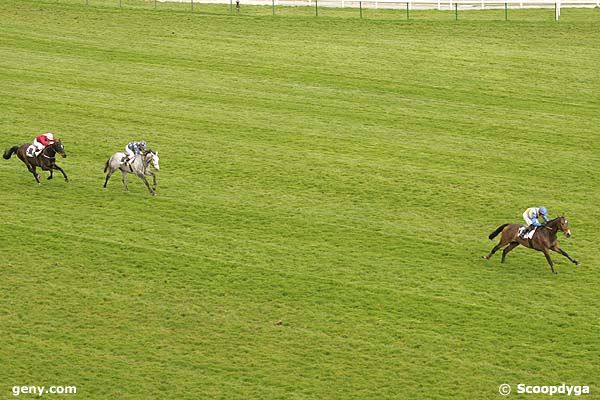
(326, 190)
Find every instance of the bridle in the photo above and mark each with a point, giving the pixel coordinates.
(557, 226)
(148, 157)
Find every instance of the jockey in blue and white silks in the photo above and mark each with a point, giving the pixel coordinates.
(531, 216)
(133, 149)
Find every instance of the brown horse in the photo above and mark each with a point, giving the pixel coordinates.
(46, 160)
(544, 239)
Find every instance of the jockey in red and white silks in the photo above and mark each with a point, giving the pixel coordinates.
(40, 143)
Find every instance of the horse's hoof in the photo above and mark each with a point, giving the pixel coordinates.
(49, 178)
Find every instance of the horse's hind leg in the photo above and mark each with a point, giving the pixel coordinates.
(34, 173)
(51, 173)
(107, 178)
(125, 180)
(495, 249)
(31, 169)
(511, 246)
(503, 242)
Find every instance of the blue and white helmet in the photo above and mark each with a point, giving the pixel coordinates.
(142, 144)
(543, 211)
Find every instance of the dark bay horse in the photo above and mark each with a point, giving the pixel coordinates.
(46, 160)
(544, 239)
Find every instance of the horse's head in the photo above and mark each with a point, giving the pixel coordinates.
(560, 224)
(59, 148)
(563, 225)
(152, 157)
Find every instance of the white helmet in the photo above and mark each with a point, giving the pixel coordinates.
(50, 136)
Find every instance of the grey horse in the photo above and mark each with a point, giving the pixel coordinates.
(140, 166)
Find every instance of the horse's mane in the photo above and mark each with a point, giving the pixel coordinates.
(556, 219)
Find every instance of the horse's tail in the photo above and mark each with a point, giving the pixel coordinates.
(8, 153)
(106, 165)
(497, 231)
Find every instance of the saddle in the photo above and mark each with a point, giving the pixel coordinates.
(31, 150)
(127, 164)
(529, 234)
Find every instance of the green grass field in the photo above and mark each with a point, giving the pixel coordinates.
(326, 190)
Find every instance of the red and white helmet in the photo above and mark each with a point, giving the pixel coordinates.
(50, 136)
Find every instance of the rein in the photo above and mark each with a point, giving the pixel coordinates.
(47, 156)
(555, 228)
(145, 161)
(148, 160)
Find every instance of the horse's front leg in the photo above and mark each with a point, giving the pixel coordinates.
(564, 253)
(142, 177)
(153, 175)
(51, 173)
(545, 251)
(61, 170)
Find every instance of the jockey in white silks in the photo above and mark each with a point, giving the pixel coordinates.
(531, 216)
(133, 149)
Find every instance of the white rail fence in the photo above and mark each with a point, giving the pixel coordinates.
(417, 4)
(408, 5)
